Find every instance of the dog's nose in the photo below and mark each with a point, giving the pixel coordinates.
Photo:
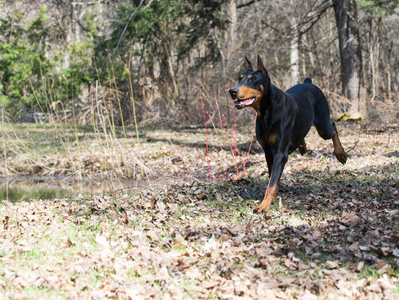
(233, 93)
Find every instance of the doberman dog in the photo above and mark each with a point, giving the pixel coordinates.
(283, 120)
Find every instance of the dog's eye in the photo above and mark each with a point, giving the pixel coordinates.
(252, 79)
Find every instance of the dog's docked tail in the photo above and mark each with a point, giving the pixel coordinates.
(308, 80)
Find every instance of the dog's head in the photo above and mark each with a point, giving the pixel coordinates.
(252, 86)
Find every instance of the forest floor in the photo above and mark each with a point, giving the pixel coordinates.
(172, 234)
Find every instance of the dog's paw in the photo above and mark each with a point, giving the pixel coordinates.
(264, 206)
(341, 156)
(260, 210)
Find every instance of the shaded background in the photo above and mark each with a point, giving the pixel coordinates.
(59, 59)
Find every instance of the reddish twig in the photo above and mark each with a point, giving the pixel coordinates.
(227, 138)
(220, 142)
(234, 114)
(235, 144)
(252, 138)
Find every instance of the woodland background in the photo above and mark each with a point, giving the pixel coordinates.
(68, 60)
(149, 207)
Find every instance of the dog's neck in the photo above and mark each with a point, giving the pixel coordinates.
(266, 104)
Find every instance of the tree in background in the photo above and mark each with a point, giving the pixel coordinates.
(163, 41)
(350, 51)
(22, 60)
(34, 75)
(379, 42)
(173, 50)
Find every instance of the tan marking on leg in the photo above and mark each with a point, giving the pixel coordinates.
(302, 147)
(270, 197)
(339, 151)
(272, 138)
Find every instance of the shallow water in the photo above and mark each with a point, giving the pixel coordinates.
(27, 189)
(25, 192)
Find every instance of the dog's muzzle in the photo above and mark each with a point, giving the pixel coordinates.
(240, 103)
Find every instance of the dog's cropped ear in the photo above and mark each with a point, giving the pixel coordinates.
(249, 64)
(261, 67)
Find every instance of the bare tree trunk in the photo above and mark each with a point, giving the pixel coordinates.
(231, 40)
(170, 87)
(69, 38)
(294, 47)
(350, 51)
(389, 79)
(371, 58)
(331, 53)
(294, 51)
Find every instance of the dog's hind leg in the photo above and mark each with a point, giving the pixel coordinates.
(331, 132)
(302, 147)
(327, 129)
(339, 151)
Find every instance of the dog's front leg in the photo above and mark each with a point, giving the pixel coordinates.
(279, 161)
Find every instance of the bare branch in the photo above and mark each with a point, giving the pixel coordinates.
(128, 22)
(313, 16)
(247, 4)
(92, 3)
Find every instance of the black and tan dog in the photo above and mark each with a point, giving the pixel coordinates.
(283, 121)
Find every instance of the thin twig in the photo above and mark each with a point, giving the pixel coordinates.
(221, 147)
(357, 142)
(227, 138)
(252, 138)
(237, 151)
(128, 22)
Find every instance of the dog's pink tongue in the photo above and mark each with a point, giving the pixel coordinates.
(248, 101)
(244, 103)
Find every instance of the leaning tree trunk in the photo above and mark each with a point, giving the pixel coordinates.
(350, 51)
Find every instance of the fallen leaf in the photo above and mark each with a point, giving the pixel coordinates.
(160, 206)
(233, 230)
(180, 240)
(202, 196)
(224, 237)
(209, 285)
(195, 273)
(101, 241)
(332, 264)
(163, 274)
(382, 267)
(5, 222)
(69, 243)
(360, 266)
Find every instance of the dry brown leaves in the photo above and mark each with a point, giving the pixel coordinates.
(334, 235)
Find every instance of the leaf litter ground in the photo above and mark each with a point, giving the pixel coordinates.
(332, 233)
